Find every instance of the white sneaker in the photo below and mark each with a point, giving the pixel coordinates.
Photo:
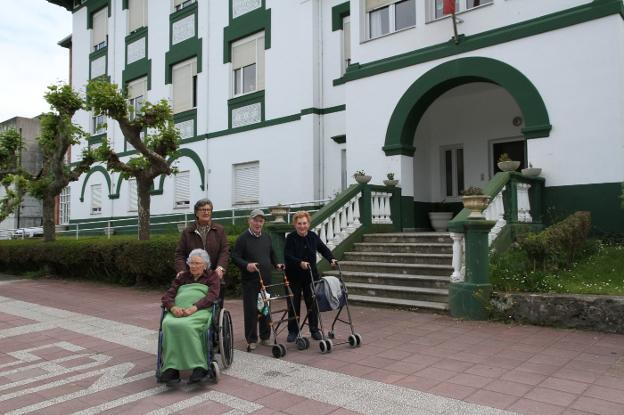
(265, 342)
(251, 346)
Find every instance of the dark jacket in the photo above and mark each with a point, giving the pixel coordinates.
(250, 248)
(303, 248)
(216, 245)
(209, 278)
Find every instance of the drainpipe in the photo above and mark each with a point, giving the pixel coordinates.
(321, 127)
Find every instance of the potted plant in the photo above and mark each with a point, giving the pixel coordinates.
(391, 181)
(361, 177)
(531, 171)
(476, 201)
(505, 163)
(278, 212)
(440, 215)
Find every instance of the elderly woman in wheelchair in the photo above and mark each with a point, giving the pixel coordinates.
(192, 327)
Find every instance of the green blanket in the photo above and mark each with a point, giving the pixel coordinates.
(184, 347)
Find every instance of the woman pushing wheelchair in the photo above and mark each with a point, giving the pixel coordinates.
(189, 301)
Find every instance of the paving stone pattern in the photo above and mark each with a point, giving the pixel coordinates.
(85, 348)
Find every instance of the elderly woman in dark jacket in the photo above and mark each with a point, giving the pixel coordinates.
(300, 257)
(189, 301)
(207, 235)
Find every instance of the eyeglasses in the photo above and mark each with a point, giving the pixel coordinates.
(196, 263)
(204, 210)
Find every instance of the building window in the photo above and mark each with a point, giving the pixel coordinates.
(98, 124)
(346, 43)
(64, 206)
(180, 4)
(248, 64)
(453, 171)
(137, 14)
(246, 189)
(137, 91)
(132, 195)
(99, 30)
(96, 199)
(184, 83)
(387, 16)
(182, 189)
(437, 7)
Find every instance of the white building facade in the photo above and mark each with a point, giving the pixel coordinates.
(281, 101)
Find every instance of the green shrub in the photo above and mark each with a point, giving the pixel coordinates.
(119, 260)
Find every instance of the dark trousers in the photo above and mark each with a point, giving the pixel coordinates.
(222, 294)
(251, 315)
(299, 287)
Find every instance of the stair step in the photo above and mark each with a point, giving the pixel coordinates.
(384, 267)
(400, 258)
(432, 281)
(394, 291)
(393, 302)
(409, 247)
(409, 237)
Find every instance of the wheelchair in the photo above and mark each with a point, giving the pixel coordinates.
(218, 337)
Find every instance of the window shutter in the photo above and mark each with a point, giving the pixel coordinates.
(375, 4)
(244, 54)
(346, 38)
(137, 14)
(133, 200)
(260, 63)
(177, 2)
(96, 198)
(182, 80)
(246, 183)
(99, 26)
(137, 88)
(182, 189)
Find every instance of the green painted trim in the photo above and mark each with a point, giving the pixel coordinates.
(262, 6)
(124, 4)
(185, 152)
(181, 14)
(323, 111)
(136, 35)
(94, 6)
(95, 139)
(95, 169)
(601, 199)
(243, 101)
(553, 21)
(185, 50)
(96, 55)
(426, 89)
(185, 116)
(246, 25)
(339, 12)
(140, 68)
(66, 4)
(340, 139)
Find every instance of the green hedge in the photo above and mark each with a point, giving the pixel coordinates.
(120, 260)
(526, 265)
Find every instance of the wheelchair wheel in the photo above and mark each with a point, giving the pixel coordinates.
(226, 341)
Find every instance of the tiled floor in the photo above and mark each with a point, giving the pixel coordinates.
(525, 369)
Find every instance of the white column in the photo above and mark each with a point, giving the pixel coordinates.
(458, 257)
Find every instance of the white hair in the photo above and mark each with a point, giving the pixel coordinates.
(200, 253)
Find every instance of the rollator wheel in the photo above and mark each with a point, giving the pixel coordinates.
(283, 349)
(352, 341)
(216, 373)
(330, 345)
(276, 351)
(331, 335)
(302, 343)
(323, 346)
(358, 339)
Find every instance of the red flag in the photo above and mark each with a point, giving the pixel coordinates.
(449, 7)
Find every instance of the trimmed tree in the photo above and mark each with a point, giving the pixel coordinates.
(151, 132)
(10, 179)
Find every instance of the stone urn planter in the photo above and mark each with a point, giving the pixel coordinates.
(476, 204)
(391, 183)
(531, 172)
(362, 178)
(510, 165)
(278, 212)
(439, 220)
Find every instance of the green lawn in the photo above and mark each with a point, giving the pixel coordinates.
(601, 273)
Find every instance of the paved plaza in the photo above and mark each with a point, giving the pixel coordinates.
(86, 348)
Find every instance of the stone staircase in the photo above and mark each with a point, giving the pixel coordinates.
(410, 270)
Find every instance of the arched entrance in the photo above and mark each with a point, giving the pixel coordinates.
(453, 122)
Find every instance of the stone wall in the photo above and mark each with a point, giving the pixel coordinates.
(590, 312)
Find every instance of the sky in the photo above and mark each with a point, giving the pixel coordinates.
(31, 59)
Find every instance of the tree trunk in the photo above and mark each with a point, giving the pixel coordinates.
(49, 227)
(143, 192)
